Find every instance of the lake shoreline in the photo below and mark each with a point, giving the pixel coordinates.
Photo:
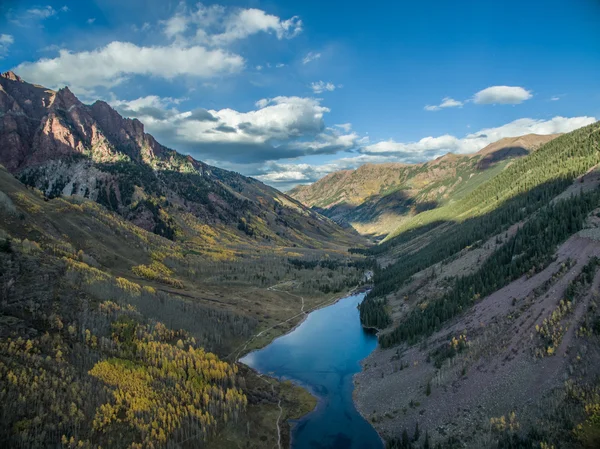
(292, 423)
(354, 291)
(328, 402)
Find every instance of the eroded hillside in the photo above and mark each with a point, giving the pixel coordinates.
(52, 141)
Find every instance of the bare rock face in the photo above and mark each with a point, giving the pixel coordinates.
(52, 141)
(38, 124)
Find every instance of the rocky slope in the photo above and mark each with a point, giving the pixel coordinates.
(52, 141)
(375, 198)
(488, 312)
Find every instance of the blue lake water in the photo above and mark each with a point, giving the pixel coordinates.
(322, 354)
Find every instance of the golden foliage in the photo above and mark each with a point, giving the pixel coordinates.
(164, 392)
(157, 271)
(503, 423)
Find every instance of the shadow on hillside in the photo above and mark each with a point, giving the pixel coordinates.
(501, 155)
(374, 207)
(446, 241)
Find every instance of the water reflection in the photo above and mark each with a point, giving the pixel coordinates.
(323, 354)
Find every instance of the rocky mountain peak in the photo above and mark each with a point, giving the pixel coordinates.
(66, 99)
(11, 76)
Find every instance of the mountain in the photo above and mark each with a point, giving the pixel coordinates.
(53, 142)
(486, 310)
(132, 278)
(376, 198)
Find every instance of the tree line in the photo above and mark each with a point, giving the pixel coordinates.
(529, 251)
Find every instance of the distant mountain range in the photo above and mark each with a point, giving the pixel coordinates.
(52, 141)
(376, 198)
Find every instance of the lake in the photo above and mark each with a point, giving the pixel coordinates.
(322, 354)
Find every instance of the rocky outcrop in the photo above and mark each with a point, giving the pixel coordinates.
(52, 141)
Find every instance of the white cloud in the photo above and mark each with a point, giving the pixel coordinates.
(279, 65)
(175, 25)
(429, 147)
(197, 37)
(279, 128)
(285, 175)
(502, 95)
(344, 126)
(151, 107)
(216, 25)
(113, 64)
(41, 13)
(447, 102)
(6, 40)
(322, 86)
(310, 56)
(259, 67)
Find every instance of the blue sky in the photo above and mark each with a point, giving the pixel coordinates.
(288, 91)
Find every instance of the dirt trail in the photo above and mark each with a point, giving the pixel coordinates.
(272, 288)
(261, 377)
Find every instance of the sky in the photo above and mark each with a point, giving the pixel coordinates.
(289, 91)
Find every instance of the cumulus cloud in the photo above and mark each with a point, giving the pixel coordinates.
(6, 40)
(344, 126)
(113, 64)
(288, 174)
(151, 106)
(216, 25)
(321, 86)
(279, 128)
(41, 13)
(310, 56)
(502, 95)
(429, 147)
(196, 45)
(263, 142)
(447, 102)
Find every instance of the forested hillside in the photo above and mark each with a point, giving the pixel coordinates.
(113, 336)
(132, 278)
(492, 294)
(376, 198)
(508, 198)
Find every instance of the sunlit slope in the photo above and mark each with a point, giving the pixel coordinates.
(511, 197)
(52, 141)
(376, 198)
(562, 159)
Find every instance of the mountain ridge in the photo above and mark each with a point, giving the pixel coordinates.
(54, 142)
(375, 198)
